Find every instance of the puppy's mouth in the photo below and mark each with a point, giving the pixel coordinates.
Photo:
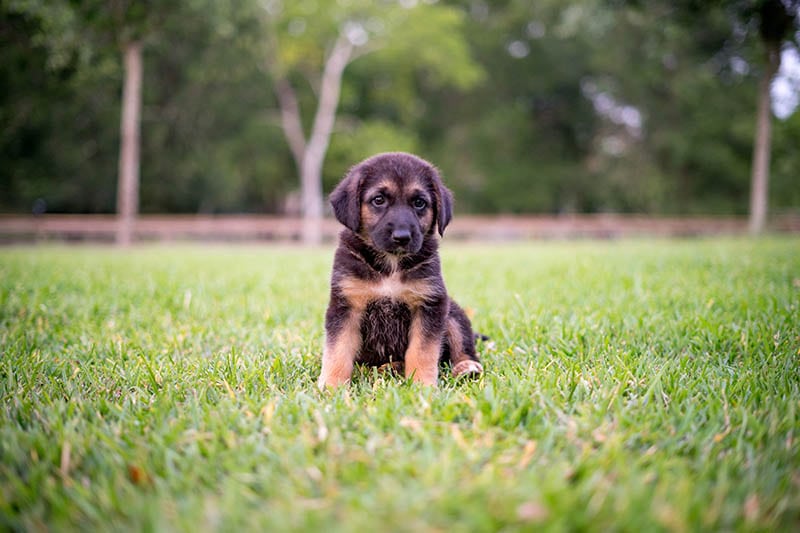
(399, 250)
(397, 245)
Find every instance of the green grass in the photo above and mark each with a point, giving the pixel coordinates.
(636, 385)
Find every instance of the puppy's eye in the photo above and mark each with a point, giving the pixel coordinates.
(419, 204)
(379, 201)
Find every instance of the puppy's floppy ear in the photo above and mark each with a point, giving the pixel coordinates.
(346, 201)
(444, 203)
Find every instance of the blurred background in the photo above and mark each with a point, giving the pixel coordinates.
(550, 107)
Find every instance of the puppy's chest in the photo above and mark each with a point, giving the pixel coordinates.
(393, 288)
(385, 326)
(386, 307)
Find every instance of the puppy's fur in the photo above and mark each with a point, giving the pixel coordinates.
(388, 302)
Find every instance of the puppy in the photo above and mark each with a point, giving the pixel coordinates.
(388, 302)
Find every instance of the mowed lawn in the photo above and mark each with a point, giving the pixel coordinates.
(635, 385)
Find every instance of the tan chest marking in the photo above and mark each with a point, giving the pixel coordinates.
(360, 292)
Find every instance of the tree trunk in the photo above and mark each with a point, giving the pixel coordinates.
(759, 179)
(310, 156)
(128, 181)
(291, 122)
(317, 147)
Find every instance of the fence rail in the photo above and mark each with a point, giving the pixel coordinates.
(102, 228)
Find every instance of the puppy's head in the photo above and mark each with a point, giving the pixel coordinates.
(394, 201)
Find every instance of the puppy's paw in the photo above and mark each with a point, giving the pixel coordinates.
(328, 384)
(467, 368)
(395, 367)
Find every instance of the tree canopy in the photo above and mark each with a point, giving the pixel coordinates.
(526, 107)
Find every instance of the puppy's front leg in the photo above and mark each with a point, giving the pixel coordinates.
(425, 343)
(342, 344)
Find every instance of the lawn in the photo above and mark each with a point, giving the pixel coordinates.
(630, 385)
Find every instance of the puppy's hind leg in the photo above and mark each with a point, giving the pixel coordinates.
(460, 343)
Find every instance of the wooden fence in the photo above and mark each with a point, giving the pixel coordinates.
(102, 228)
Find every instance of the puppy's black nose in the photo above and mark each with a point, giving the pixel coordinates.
(401, 236)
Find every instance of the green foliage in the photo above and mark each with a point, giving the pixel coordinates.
(434, 37)
(59, 31)
(630, 386)
(502, 95)
(204, 148)
(363, 140)
(58, 117)
(524, 137)
(301, 33)
(209, 106)
(705, 141)
(701, 61)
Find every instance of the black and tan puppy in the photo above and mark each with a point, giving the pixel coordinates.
(389, 305)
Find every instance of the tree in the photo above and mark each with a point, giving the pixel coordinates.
(776, 20)
(89, 28)
(315, 42)
(731, 43)
(205, 115)
(128, 22)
